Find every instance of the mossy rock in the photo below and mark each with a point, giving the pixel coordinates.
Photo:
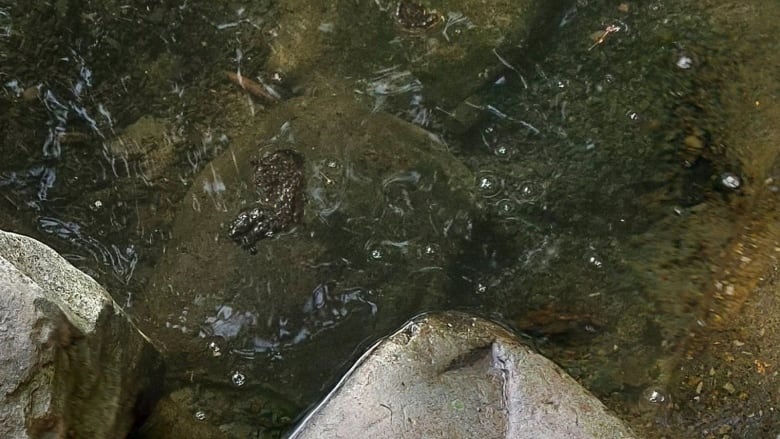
(386, 207)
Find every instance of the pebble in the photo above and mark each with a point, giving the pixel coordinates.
(693, 143)
(684, 62)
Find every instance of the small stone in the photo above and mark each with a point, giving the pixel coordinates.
(684, 62)
(31, 93)
(693, 143)
(729, 388)
(655, 396)
(730, 181)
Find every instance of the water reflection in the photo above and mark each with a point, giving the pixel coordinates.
(122, 261)
(43, 177)
(322, 310)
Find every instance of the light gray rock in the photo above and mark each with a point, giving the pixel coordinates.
(71, 364)
(457, 376)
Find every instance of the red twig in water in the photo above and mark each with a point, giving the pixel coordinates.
(252, 87)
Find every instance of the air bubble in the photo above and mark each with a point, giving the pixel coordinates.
(502, 151)
(431, 250)
(505, 207)
(238, 379)
(200, 415)
(655, 396)
(488, 184)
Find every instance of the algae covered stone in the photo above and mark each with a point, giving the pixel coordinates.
(385, 210)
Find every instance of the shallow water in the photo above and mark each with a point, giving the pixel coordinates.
(598, 163)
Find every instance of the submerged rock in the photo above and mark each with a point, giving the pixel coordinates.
(210, 410)
(446, 48)
(145, 150)
(453, 375)
(384, 206)
(72, 365)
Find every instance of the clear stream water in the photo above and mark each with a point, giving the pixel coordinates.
(601, 162)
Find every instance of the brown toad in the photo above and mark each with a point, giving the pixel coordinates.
(278, 181)
(415, 17)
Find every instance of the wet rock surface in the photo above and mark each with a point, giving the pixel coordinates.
(72, 364)
(456, 375)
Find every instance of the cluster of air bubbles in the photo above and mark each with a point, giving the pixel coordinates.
(238, 379)
(387, 251)
(215, 350)
(489, 136)
(595, 261)
(518, 195)
(593, 258)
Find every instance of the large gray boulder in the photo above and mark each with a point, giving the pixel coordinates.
(72, 365)
(457, 376)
